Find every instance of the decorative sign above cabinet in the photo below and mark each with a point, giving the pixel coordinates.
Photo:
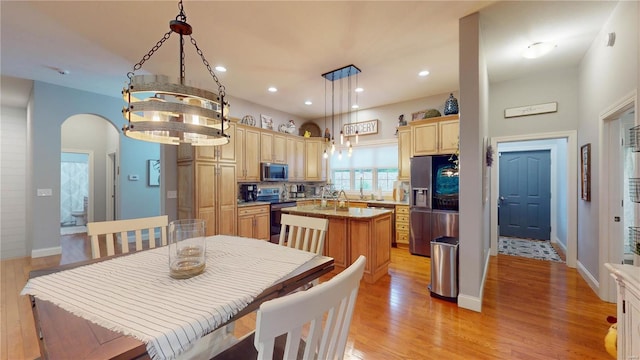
(363, 128)
(531, 110)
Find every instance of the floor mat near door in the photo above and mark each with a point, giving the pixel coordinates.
(534, 249)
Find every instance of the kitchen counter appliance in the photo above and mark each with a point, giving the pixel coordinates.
(274, 172)
(249, 192)
(272, 196)
(433, 202)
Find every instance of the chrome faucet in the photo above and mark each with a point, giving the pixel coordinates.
(361, 192)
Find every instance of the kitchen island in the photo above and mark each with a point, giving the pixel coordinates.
(358, 231)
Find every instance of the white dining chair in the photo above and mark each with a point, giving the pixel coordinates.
(324, 310)
(118, 230)
(303, 232)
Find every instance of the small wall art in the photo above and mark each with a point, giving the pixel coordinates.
(154, 172)
(267, 122)
(585, 172)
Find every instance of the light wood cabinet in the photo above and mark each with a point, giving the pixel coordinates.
(295, 158)
(254, 222)
(402, 224)
(315, 165)
(273, 147)
(225, 153)
(207, 190)
(435, 135)
(404, 153)
(248, 153)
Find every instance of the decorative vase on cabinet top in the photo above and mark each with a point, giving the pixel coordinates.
(451, 105)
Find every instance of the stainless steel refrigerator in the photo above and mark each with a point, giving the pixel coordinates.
(426, 222)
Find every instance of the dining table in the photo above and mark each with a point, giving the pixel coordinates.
(127, 306)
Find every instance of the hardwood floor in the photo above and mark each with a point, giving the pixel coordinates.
(532, 309)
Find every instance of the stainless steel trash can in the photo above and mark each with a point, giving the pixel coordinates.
(444, 268)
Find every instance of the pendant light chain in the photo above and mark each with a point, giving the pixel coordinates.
(148, 55)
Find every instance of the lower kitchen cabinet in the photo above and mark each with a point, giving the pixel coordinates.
(402, 224)
(254, 222)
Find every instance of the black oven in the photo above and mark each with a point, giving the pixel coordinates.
(272, 195)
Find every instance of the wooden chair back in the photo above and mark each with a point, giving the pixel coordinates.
(120, 229)
(334, 300)
(303, 232)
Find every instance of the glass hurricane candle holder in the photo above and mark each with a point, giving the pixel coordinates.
(187, 248)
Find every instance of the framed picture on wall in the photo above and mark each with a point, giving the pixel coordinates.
(154, 172)
(585, 172)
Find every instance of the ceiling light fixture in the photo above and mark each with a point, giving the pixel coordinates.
(308, 102)
(423, 73)
(537, 50)
(343, 73)
(174, 113)
(221, 68)
(272, 89)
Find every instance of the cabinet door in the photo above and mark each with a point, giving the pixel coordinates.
(227, 199)
(280, 149)
(299, 158)
(262, 228)
(185, 191)
(252, 155)
(295, 158)
(313, 168)
(266, 147)
(424, 139)
(245, 226)
(449, 135)
(227, 153)
(404, 153)
(239, 143)
(205, 200)
(335, 242)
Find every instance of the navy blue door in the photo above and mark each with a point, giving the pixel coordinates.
(525, 194)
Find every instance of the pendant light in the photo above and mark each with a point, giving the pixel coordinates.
(342, 73)
(169, 113)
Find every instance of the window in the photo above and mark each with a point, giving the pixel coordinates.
(371, 167)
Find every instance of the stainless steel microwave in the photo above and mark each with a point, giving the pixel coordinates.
(274, 172)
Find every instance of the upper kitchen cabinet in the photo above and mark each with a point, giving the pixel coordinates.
(314, 164)
(248, 153)
(404, 152)
(273, 147)
(225, 153)
(295, 157)
(435, 135)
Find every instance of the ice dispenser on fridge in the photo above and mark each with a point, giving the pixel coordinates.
(420, 197)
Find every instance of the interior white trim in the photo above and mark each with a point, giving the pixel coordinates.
(471, 302)
(572, 186)
(606, 291)
(37, 253)
(586, 275)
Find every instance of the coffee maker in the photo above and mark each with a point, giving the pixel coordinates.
(249, 192)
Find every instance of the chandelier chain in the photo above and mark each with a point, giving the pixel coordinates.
(148, 55)
(221, 88)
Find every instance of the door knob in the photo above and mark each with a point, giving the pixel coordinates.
(501, 198)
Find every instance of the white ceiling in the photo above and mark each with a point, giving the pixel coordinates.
(286, 44)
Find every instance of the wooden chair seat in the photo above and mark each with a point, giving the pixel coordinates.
(119, 230)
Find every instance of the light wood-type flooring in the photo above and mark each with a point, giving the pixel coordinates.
(532, 309)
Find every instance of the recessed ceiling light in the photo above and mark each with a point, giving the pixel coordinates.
(537, 50)
(272, 89)
(308, 102)
(359, 89)
(221, 68)
(423, 73)
(355, 106)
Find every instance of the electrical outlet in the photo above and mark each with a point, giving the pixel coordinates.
(44, 192)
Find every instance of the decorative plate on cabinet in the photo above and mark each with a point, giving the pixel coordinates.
(248, 120)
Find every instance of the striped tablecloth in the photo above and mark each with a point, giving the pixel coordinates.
(134, 294)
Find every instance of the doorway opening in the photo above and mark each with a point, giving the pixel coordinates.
(76, 184)
(562, 214)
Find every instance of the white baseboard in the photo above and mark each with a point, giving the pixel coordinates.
(472, 302)
(37, 253)
(586, 275)
(468, 302)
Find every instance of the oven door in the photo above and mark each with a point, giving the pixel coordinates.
(276, 215)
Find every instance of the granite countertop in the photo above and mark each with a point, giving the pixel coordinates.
(252, 203)
(361, 213)
(367, 201)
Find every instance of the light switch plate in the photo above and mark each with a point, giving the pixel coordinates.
(172, 194)
(134, 177)
(44, 192)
